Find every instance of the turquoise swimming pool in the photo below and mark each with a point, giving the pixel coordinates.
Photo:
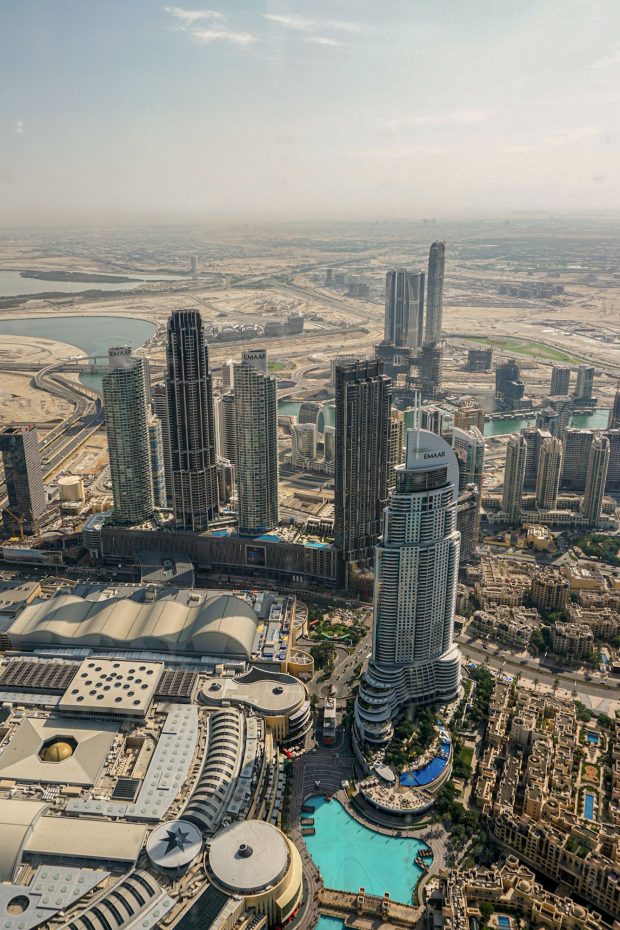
(350, 856)
(588, 805)
(329, 923)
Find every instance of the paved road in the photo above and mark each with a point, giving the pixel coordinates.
(594, 696)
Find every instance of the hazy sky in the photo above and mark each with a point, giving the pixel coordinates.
(132, 109)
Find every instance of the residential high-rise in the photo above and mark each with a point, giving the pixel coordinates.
(560, 380)
(396, 446)
(469, 414)
(549, 472)
(614, 413)
(613, 472)
(468, 522)
(414, 659)
(430, 361)
(191, 422)
(480, 359)
(434, 298)
(577, 444)
(303, 444)
(514, 473)
(342, 360)
(329, 443)
(404, 308)
(225, 479)
(432, 418)
(255, 357)
(363, 400)
(256, 417)
(598, 463)
(227, 418)
(469, 447)
(24, 479)
(534, 438)
(127, 426)
(228, 373)
(509, 388)
(156, 449)
(559, 413)
(585, 383)
(159, 406)
(309, 412)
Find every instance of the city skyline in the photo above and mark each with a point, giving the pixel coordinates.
(353, 110)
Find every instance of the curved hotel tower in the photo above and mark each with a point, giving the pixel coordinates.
(414, 661)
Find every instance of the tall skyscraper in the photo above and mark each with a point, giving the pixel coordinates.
(414, 660)
(404, 308)
(557, 416)
(24, 479)
(309, 412)
(470, 414)
(156, 450)
(469, 447)
(585, 383)
(549, 473)
(514, 473)
(534, 437)
(303, 444)
(614, 413)
(159, 406)
(227, 416)
(613, 472)
(396, 447)
(430, 361)
(363, 400)
(228, 374)
(127, 426)
(256, 417)
(191, 422)
(509, 388)
(598, 463)
(329, 443)
(434, 298)
(560, 380)
(577, 443)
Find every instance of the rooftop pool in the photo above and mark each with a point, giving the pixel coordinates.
(350, 856)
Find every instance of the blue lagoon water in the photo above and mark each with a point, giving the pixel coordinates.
(93, 335)
(598, 419)
(350, 856)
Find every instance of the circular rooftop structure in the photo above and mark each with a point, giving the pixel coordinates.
(249, 857)
(173, 845)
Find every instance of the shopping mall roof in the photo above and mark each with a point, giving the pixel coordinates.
(248, 857)
(212, 624)
(16, 820)
(271, 694)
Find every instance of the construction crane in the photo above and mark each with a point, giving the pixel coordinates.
(20, 523)
(21, 520)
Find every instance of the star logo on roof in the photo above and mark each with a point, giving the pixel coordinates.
(176, 839)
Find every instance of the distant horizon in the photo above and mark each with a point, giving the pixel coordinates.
(429, 223)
